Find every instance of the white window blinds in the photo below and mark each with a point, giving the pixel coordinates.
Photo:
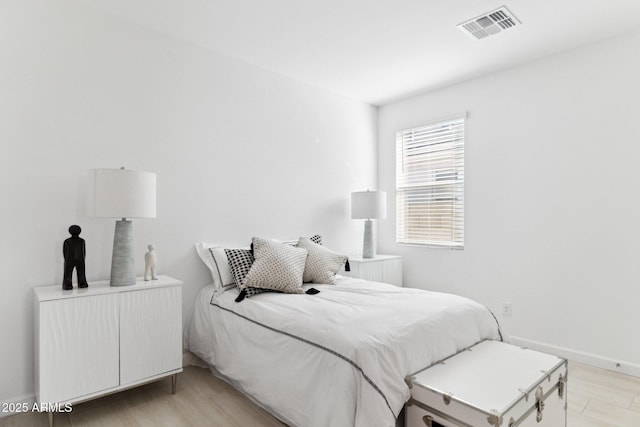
(430, 184)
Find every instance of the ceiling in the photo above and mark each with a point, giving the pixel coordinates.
(378, 51)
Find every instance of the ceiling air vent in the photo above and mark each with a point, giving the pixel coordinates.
(490, 23)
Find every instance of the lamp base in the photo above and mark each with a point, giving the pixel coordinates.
(368, 246)
(123, 269)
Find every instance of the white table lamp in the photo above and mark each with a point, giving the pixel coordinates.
(122, 193)
(368, 205)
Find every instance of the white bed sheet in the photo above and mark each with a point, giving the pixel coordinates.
(338, 358)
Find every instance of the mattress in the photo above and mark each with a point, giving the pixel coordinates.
(338, 358)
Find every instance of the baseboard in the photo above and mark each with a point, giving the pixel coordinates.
(621, 366)
(20, 403)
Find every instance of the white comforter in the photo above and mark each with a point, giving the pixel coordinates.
(338, 358)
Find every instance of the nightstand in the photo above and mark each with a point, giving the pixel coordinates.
(98, 340)
(382, 268)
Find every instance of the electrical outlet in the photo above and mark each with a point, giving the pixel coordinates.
(506, 309)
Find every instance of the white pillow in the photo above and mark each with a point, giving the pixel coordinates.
(213, 256)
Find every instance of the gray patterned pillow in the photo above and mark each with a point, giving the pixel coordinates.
(322, 263)
(277, 266)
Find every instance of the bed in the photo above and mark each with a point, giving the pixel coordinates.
(337, 358)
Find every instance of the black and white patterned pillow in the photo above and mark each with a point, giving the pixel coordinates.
(322, 264)
(277, 266)
(240, 261)
(316, 238)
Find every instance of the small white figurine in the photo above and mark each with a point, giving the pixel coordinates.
(150, 260)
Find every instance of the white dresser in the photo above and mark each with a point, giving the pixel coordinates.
(101, 339)
(382, 268)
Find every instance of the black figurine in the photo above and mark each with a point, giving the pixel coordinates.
(74, 252)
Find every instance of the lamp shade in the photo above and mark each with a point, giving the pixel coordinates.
(121, 193)
(368, 205)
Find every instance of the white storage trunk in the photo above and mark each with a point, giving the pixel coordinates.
(490, 384)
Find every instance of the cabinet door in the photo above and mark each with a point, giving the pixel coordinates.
(78, 347)
(392, 271)
(150, 333)
(371, 270)
(386, 270)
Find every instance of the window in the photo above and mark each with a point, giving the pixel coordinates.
(430, 184)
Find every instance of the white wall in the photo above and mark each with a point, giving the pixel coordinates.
(551, 198)
(238, 151)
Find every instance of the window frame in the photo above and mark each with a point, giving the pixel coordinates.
(435, 151)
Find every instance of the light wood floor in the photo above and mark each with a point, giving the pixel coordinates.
(597, 398)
